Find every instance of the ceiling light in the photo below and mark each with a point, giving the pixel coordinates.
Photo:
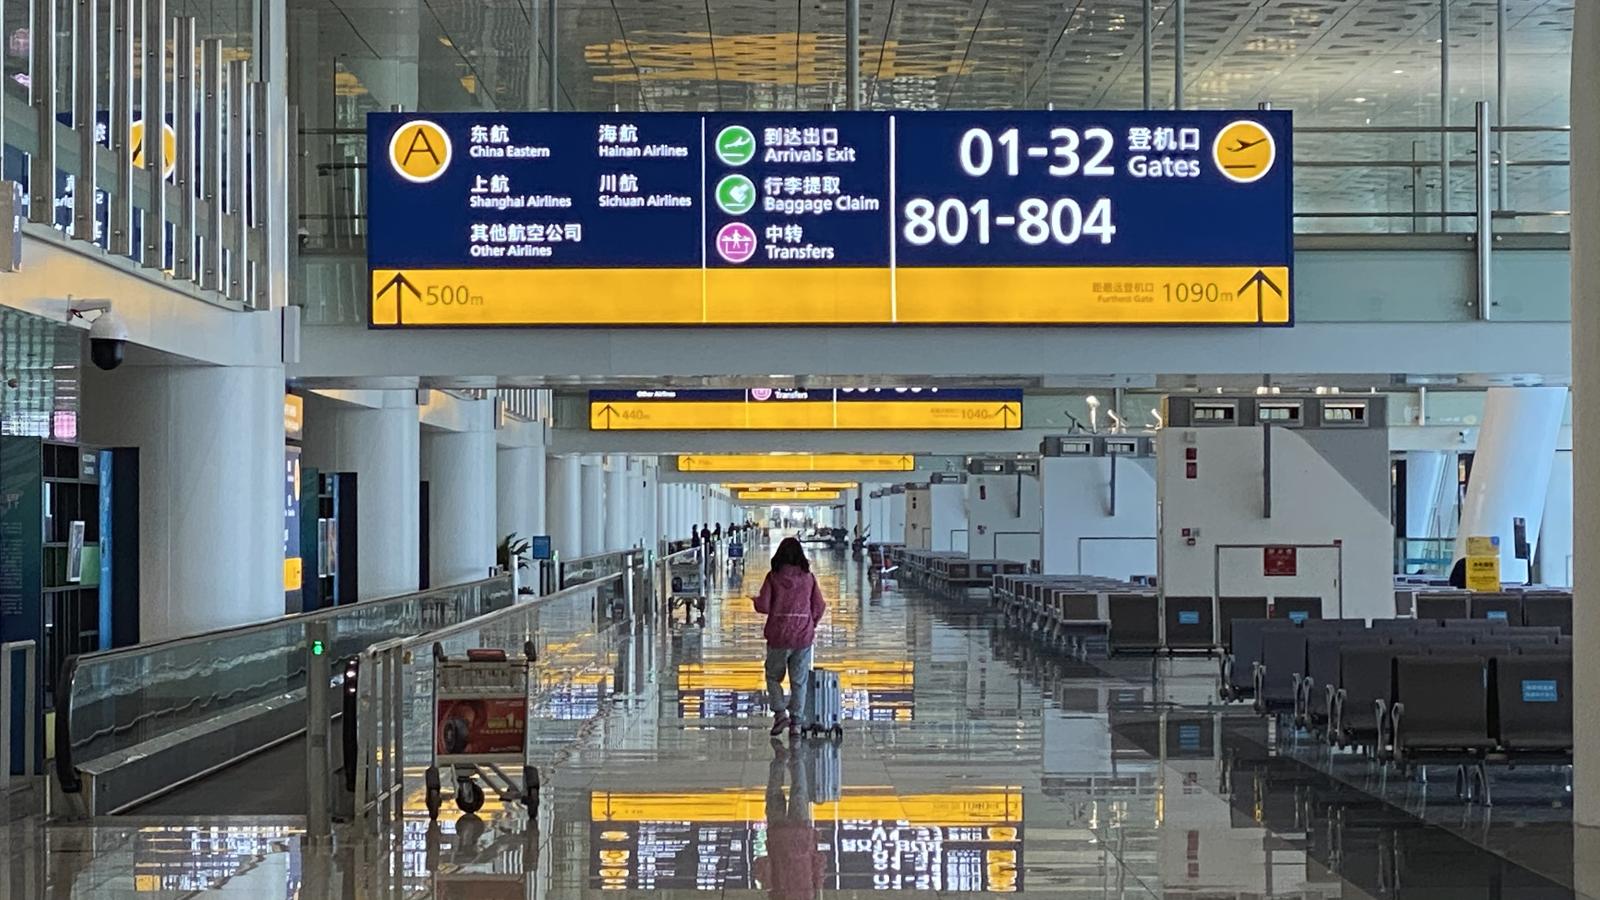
(1399, 71)
(1358, 99)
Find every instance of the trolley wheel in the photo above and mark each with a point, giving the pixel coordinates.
(468, 795)
(700, 604)
(435, 796)
(530, 787)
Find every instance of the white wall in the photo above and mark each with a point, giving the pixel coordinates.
(1554, 556)
(1076, 498)
(1312, 503)
(936, 517)
(1003, 517)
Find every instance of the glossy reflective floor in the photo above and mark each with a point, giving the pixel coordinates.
(974, 762)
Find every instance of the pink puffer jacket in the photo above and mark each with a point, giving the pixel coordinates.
(792, 601)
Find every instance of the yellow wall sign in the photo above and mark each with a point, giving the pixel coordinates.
(786, 496)
(800, 410)
(1483, 573)
(1478, 545)
(796, 462)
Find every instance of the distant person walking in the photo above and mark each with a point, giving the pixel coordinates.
(792, 601)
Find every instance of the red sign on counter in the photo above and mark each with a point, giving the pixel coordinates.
(1279, 560)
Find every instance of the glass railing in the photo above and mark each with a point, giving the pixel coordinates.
(579, 660)
(117, 699)
(1424, 556)
(75, 147)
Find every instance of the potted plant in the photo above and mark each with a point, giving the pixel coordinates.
(512, 557)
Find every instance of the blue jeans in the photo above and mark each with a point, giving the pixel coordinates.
(797, 664)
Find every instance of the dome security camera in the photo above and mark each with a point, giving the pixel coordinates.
(108, 341)
(108, 334)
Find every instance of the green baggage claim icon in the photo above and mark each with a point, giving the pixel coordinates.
(736, 145)
(736, 194)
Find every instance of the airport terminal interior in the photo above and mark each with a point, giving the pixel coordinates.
(556, 449)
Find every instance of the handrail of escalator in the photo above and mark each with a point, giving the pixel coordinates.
(392, 612)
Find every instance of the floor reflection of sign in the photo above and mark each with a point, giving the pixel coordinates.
(869, 854)
(1280, 561)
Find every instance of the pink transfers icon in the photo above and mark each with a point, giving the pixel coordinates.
(761, 393)
(736, 242)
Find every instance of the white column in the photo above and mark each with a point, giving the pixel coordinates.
(564, 506)
(1511, 470)
(460, 468)
(1555, 556)
(616, 508)
(1586, 426)
(382, 446)
(211, 483)
(594, 506)
(514, 492)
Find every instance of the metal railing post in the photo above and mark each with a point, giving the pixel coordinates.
(1484, 170)
(1180, 38)
(319, 822)
(397, 717)
(42, 85)
(154, 113)
(236, 217)
(1444, 115)
(1148, 25)
(119, 222)
(211, 163)
(259, 222)
(85, 36)
(852, 53)
(183, 261)
(1500, 99)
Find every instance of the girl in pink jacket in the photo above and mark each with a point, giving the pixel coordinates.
(792, 602)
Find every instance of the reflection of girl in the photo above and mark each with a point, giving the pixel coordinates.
(792, 868)
(458, 725)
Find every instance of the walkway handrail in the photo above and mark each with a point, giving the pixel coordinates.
(382, 701)
(241, 664)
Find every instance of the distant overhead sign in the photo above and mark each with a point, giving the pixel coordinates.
(817, 218)
(778, 409)
(797, 462)
(786, 496)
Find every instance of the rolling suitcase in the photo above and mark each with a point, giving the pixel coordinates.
(824, 712)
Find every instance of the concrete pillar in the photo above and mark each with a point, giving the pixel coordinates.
(1511, 470)
(594, 505)
(616, 508)
(1555, 557)
(564, 509)
(211, 488)
(514, 491)
(460, 470)
(1586, 430)
(382, 446)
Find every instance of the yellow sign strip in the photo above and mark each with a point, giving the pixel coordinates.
(781, 496)
(804, 415)
(796, 462)
(1108, 295)
(788, 485)
(742, 675)
(1185, 295)
(994, 806)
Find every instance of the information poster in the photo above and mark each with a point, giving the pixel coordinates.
(830, 218)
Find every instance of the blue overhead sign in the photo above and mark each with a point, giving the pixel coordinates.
(1171, 217)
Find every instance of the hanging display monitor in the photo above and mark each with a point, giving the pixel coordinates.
(830, 218)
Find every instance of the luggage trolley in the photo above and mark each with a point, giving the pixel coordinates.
(480, 727)
(686, 586)
(736, 559)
